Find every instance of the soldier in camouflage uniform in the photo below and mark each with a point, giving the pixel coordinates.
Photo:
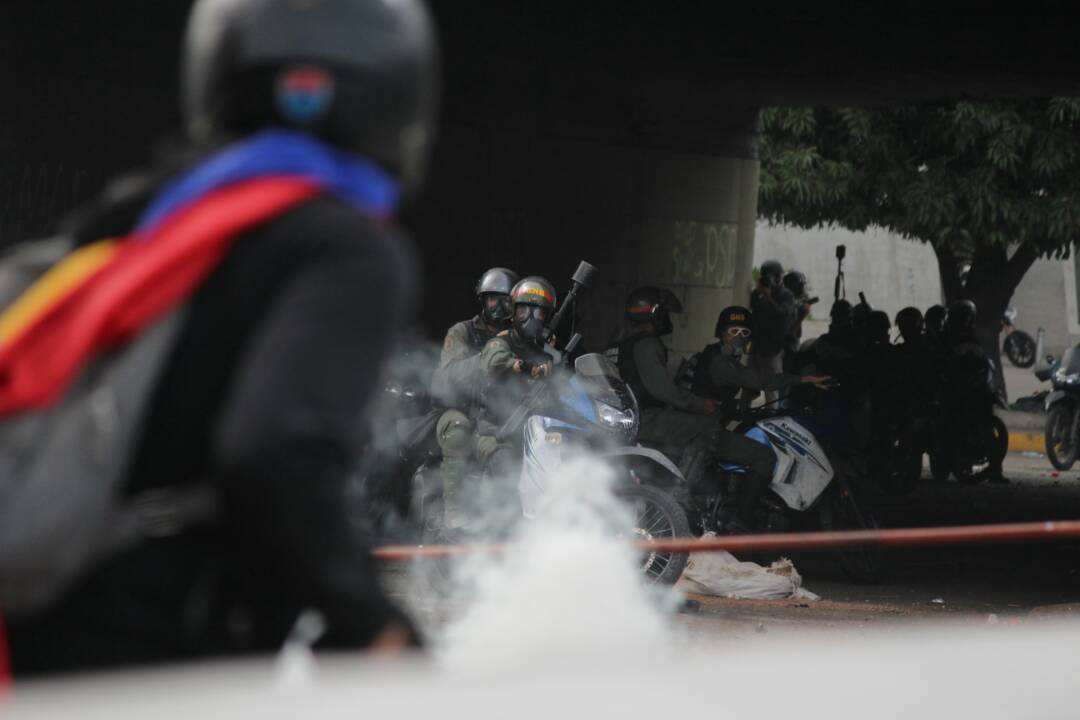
(672, 418)
(509, 364)
(718, 373)
(457, 383)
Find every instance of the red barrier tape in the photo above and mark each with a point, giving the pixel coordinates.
(902, 537)
(5, 664)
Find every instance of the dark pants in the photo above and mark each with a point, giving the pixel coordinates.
(760, 461)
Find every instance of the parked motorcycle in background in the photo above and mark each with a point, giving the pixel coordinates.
(1018, 345)
(1062, 429)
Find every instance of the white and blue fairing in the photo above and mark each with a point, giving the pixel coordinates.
(802, 471)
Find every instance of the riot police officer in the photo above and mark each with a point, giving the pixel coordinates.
(671, 416)
(457, 382)
(934, 321)
(509, 365)
(775, 315)
(795, 282)
(720, 375)
(969, 372)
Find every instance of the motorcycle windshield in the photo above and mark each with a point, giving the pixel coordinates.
(603, 384)
(1070, 361)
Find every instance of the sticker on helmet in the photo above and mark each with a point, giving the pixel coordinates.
(304, 94)
(535, 291)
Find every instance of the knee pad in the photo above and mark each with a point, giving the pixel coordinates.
(455, 434)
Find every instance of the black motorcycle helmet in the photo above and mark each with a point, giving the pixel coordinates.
(961, 318)
(795, 281)
(733, 316)
(772, 273)
(909, 322)
(653, 305)
(493, 289)
(534, 303)
(734, 328)
(878, 327)
(934, 320)
(361, 74)
(860, 313)
(840, 314)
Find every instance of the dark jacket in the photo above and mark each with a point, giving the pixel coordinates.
(643, 365)
(264, 397)
(773, 319)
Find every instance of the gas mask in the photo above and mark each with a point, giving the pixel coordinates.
(529, 322)
(496, 310)
(661, 318)
(736, 342)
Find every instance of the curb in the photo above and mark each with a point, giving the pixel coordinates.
(1026, 441)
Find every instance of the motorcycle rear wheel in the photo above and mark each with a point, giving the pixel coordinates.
(658, 516)
(1020, 349)
(1060, 448)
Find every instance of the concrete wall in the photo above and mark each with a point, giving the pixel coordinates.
(1047, 298)
(892, 271)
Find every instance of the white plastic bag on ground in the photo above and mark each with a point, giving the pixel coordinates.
(723, 575)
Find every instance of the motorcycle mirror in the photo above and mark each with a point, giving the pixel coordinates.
(584, 274)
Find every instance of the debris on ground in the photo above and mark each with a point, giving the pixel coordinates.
(721, 574)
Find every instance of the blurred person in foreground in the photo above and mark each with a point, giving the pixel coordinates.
(323, 112)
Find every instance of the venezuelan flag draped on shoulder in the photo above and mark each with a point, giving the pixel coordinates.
(104, 293)
(82, 346)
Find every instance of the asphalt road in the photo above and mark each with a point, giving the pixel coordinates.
(993, 585)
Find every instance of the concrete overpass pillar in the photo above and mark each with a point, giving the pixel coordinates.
(698, 240)
(676, 208)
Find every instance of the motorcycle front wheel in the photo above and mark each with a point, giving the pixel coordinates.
(1020, 349)
(1061, 447)
(904, 470)
(840, 511)
(657, 516)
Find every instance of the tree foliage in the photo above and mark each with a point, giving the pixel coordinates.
(959, 175)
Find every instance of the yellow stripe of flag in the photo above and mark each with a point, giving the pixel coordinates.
(61, 279)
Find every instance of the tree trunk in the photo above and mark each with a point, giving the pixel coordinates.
(992, 281)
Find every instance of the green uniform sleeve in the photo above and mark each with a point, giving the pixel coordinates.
(457, 378)
(497, 358)
(725, 373)
(649, 358)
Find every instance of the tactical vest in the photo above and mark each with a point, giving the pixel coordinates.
(477, 334)
(628, 370)
(703, 381)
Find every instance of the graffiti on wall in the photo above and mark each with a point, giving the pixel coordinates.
(704, 254)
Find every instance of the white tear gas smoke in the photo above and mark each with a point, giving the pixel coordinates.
(569, 587)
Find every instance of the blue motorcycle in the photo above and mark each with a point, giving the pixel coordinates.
(593, 411)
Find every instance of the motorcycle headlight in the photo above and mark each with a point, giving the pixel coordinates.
(1063, 378)
(625, 421)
